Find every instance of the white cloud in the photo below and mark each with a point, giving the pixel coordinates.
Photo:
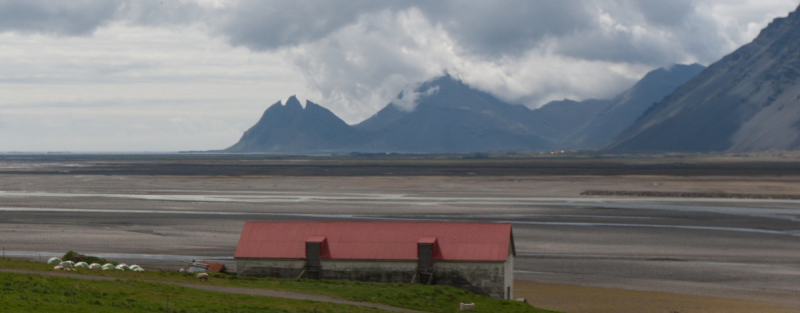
(408, 99)
(134, 88)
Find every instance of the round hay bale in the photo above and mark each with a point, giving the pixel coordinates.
(108, 266)
(123, 267)
(82, 264)
(54, 261)
(68, 264)
(95, 266)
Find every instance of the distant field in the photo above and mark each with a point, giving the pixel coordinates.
(143, 290)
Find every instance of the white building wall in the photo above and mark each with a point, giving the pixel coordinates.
(488, 278)
(508, 277)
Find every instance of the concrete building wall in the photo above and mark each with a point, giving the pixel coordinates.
(372, 271)
(487, 278)
(277, 268)
(508, 270)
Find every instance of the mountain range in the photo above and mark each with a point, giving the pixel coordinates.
(445, 115)
(748, 101)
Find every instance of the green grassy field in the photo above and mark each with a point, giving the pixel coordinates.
(417, 297)
(37, 293)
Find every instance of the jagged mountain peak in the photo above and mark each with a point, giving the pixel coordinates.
(293, 103)
(292, 128)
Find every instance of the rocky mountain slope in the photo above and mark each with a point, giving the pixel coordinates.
(748, 101)
(624, 109)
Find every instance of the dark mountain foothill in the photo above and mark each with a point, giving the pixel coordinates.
(748, 101)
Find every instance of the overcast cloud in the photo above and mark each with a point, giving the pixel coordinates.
(172, 75)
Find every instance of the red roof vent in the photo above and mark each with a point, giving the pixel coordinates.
(319, 239)
(324, 252)
(437, 253)
(429, 240)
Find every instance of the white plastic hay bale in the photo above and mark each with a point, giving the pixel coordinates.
(123, 267)
(467, 306)
(108, 266)
(138, 269)
(82, 264)
(133, 267)
(68, 264)
(54, 261)
(95, 266)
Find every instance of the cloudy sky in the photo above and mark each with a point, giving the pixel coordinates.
(171, 75)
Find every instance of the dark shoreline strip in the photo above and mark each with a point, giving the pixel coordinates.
(678, 194)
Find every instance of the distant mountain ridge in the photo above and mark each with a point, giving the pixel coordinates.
(747, 101)
(445, 115)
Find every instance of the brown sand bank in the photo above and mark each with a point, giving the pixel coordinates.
(579, 299)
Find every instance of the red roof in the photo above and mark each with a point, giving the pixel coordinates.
(213, 267)
(376, 240)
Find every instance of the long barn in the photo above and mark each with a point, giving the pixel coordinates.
(478, 257)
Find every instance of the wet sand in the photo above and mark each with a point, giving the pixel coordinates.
(574, 253)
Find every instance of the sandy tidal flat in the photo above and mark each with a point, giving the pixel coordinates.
(574, 253)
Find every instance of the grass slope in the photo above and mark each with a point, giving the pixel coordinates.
(412, 296)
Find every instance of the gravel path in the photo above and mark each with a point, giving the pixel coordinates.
(243, 291)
